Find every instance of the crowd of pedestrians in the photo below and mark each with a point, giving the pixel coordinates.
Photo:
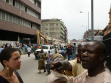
(85, 62)
(88, 67)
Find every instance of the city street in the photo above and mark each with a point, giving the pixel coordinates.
(29, 70)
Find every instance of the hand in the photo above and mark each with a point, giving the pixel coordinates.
(61, 65)
(56, 66)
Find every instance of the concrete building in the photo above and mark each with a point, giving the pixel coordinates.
(87, 34)
(19, 20)
(99, 33)
(54, 28)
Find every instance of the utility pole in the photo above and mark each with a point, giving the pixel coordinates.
(92, 21)
(88, 24)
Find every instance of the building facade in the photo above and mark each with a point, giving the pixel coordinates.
(19, 20)
(54, 28)
(87, 34)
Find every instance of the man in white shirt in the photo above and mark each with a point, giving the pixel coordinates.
(29, 51)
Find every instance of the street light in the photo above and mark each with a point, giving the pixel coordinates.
(88, 21)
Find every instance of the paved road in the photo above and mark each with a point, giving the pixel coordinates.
(29, 70)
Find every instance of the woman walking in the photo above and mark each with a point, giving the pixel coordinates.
(41, 61)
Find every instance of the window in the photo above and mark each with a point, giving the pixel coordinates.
(22, 7)
(56, 24)
(7, 17)
(11, 2)
(51, 47)
(46, 28)
(37, 4)
(52, 24)
(32, 1)
(34, 26)
(51, 33)
(10, 18)
(37, 15)
(16, 20)
(25, 9)
(19, 21)
(42, 24)
(13, 19)
(23, 22)
(56, 28)
(33, 13)
(46, 24)
(28, 24)
(46, 33)
(3, 16)
(4, 0)
(0, 15)
(44, 47)
(51, 28)
(7, 1)
(17, 4)
(56, 32)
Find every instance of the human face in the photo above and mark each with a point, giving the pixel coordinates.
(14, 62)
(90, 55)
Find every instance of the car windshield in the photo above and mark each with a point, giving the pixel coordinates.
(44, 47)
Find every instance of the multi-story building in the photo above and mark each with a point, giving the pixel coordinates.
(66, 36)
(99, 33)
(19, 20)
(54, 28)
(87, 34)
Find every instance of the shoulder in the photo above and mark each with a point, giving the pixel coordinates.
(50, 78)
(107, 76)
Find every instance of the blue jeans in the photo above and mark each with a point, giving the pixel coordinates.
(29, 54)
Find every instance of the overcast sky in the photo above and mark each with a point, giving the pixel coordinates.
(69, 12)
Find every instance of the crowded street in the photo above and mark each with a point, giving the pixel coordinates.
(55, 41)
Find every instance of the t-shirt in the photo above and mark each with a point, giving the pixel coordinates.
(29, 49)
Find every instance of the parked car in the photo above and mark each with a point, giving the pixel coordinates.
(45, 48)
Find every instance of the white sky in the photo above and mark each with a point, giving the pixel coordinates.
(69, 12)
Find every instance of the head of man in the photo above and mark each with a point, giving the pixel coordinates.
(80, 47)
(93, 55)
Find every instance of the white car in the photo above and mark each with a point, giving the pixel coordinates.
(45, 48)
